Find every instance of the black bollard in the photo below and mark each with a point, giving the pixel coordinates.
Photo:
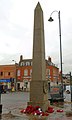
(0, 116)
(0, 108)
(0, 100)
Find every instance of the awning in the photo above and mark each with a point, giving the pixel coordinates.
(4, 80)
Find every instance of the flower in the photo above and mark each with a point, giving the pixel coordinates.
(23, 111)
(59, 110)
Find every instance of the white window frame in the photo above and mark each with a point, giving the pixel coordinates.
(18, 73)
(30, 72)
(22, 64)
(26, 72)
(27, 63)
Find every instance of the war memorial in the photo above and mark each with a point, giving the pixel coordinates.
(39, 84)
(38, 96)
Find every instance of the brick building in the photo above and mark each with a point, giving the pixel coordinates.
(21, 73)
(25, 72)
(7, 75)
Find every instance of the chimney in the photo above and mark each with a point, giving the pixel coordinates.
(21, 58)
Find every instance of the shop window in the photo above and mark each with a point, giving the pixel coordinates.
(25, 84)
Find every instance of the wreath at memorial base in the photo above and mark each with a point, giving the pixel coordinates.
(38, 111)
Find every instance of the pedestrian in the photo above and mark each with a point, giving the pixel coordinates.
(22, 87)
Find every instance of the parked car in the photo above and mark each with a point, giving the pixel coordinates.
(56, 94)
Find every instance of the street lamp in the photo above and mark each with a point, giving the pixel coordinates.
(15, 74)
(14, 61)
(51, 20)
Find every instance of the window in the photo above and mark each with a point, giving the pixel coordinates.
(27, 63)
(25, 72)
(47, 71)
(18, 73)
(54, 72)
(8, 73)
(22, 64)
(1, 73)
(30, 72)
(31, 63)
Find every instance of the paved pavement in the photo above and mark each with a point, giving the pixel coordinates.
(14, 102)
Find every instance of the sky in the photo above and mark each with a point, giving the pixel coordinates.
(16, 30)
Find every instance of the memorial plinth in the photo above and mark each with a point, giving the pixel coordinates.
(39, 84)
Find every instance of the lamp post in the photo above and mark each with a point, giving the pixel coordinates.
(71, 85)
(15, 74)
(51, 19)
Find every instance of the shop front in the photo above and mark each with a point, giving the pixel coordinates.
(5, 85)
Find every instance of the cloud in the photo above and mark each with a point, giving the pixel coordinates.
(7, 58)
(16, 30)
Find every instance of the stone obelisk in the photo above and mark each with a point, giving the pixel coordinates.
(39, 85)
